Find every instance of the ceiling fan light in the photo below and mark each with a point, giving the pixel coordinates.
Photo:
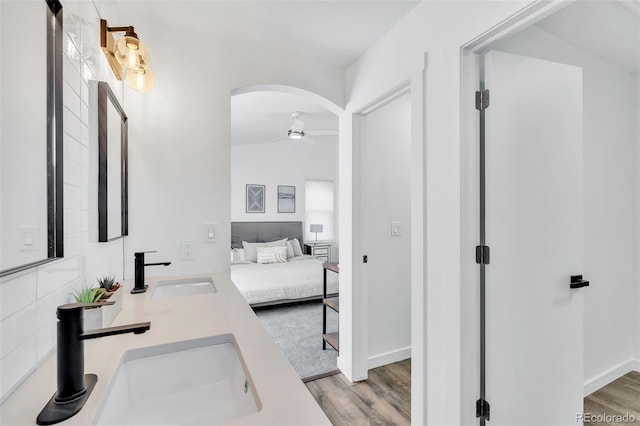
(295, 134)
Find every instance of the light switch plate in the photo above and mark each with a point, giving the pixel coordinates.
(210, 232)
(396, 229)
(29, 237)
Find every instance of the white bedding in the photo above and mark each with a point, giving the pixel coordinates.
(299, 278)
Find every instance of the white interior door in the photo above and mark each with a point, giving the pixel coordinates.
(386, 228)
(534, 225)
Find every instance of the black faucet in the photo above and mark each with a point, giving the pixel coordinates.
(74, 387)
(139, 285)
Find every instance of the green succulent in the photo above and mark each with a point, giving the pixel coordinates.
(88, 294)
(107, 282)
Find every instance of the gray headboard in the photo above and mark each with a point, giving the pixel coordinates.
(263, 232)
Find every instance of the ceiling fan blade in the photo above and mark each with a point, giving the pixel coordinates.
(308, 140)
(279, 139)
(321, 132)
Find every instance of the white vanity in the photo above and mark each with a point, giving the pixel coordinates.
(205, 360)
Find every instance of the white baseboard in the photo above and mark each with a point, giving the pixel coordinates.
(389, 357)
(609, 376)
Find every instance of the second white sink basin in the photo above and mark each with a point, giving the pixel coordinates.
(182, 287)
(201, 381)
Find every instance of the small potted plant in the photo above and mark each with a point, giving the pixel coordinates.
(110, 286)
(107, 291)
(92, 316)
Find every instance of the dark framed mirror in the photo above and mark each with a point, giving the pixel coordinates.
(31, 135)
(112, 166)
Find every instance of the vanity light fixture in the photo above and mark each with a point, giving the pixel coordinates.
(128, 56)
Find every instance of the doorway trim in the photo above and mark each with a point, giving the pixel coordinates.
(415, 85)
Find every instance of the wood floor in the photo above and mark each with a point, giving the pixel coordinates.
(619, 398)
(383, 399)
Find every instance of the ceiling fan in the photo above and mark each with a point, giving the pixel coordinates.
(296, 131)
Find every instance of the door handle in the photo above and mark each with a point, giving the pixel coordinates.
(578, 282)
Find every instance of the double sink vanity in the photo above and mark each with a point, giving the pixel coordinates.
(206, 359)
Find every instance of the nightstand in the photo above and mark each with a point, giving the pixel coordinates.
(320, 250)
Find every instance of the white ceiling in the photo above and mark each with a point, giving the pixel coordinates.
(609, 30)
(261, 117)
(334, 32)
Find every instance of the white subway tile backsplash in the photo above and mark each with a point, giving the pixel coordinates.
(84, 200)
(46, 340)
(71, 149)
(84, 221)
(84, 113)
(84, 92)
(71, 173)
(72, 197)
(71, 73)
(70, 49)
(84, 156)
(71, 225)
(84, 134)
(71, 124)
(71, 15)
(17, 364)
(17, 293)
(52, 277)
(28, 300)
(16, 329)
(84, 177)
(73, 244)
(46, 306)
(71, 99)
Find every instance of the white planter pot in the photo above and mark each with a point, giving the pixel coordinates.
(105, 315)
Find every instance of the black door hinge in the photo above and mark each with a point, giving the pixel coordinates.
(482, 100)
(365, 259)
(483, 410)
(482, 255)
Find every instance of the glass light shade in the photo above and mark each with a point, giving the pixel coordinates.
(142, 80)
(294, 134)
(131, 53)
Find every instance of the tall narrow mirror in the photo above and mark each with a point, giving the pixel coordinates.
(31, 227)
(112, 159)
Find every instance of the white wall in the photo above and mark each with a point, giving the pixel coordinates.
(28, 300)
(386, 198)
(279, 163)
(179, 151)
(436, 30)
(608, 199)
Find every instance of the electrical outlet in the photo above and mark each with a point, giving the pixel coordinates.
(186, 250)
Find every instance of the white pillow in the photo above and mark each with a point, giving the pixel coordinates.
(250, 252)
(290, 252)
(237, 256)
(271, 254)
(297, 250)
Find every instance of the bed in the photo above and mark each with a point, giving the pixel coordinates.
(298, 279)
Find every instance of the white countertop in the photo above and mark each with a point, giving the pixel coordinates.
(285, 399)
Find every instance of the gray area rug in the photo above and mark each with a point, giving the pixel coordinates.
(297, 329)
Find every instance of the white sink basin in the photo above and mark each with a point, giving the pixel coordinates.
(201, 381)
(182, 287)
